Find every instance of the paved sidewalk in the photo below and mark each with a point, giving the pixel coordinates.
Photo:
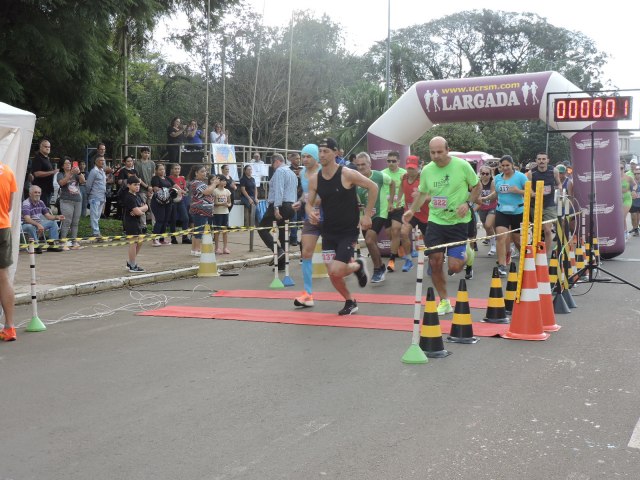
(96, 264)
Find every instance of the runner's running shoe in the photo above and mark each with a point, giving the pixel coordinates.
(444, 307)
(305, 300)
(350, 307)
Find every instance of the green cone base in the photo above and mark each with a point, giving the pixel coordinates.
(277, 283)
(36, 325)
(414, 355)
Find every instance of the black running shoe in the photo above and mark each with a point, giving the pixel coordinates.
(468, 272)
(350, 307)
(361, 273)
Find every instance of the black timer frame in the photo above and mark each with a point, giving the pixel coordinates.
(590, 268)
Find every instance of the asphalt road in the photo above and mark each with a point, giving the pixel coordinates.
(122, 396)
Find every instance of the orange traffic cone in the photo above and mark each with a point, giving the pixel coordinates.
(495, 305)
(461, 327)
(431, 334)
(526, 321)
(512, 288)
(544, 290)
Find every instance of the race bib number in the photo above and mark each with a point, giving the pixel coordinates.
(503, 188)
(547, 189)
(439, 202)
(222, 200)
(328, 256)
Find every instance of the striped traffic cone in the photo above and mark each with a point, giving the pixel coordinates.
(559, 305)
(461, 327)
(496, 312)
(526, 321)
(553, 269)
(596, 251)
(511, 289)
(579, 263)
(317, 262)
(544, 290)
(431, 334)
(208, 264)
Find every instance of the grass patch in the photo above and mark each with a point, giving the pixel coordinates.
(109, 227)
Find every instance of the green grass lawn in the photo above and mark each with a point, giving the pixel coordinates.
(109, 227)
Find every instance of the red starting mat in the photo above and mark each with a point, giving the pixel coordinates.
(335, 297)
(306, 317)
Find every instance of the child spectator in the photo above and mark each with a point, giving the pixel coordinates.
(134, 208)
(222, 203)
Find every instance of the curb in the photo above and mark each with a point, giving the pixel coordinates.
(86, 288)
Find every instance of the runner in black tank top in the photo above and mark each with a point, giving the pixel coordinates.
(339, 204)
(337, 190)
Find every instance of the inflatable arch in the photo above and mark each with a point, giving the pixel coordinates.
(510, 97)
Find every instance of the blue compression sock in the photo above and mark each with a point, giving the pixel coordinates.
(307, 275)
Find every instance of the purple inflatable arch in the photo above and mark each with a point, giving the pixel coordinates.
(510, 97)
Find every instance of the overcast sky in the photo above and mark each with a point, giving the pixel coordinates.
(613, 28)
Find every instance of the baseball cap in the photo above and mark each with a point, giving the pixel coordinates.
(310, 149)
(412, 161)
(562, 169)
(329, 143)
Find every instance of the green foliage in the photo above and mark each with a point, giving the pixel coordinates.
(71, 73)
(68, 68)
(462, 137)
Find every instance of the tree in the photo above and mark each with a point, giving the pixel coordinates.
(68, 73)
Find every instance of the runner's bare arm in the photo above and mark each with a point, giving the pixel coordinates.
(312, 215)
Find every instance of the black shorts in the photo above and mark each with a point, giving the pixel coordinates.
(133, 228)
(394, 215)
(633, 209)
(220, 219)
(440, 234)
(338, 246)
(483, 214)
(508, 221)
(422, 226)
(377, 224)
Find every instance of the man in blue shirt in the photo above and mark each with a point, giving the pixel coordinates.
(283, 193)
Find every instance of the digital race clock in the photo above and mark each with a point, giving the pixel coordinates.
(590, 109)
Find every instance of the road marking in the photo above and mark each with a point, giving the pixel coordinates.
(635, 437)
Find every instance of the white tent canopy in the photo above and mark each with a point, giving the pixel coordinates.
(16, 133)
